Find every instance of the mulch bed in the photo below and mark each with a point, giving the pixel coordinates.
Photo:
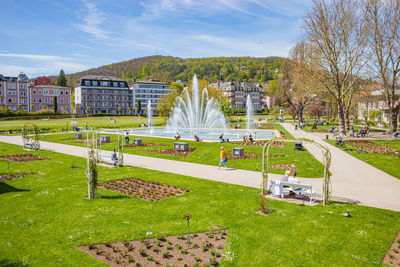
(172, 152)
(371, 147)
(249, 155)
(81, 141)
(147, 190)
(144, 145)
(22, 158)
(276, 144)
(287, 166)
(205, 249)
(393, 255)
(12, 176)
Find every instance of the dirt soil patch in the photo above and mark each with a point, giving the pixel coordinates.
(371, 147)
(287, 166)
(11, 176)
(144, 145)
(393, 255)
(249, 155)
(276, 144)
(172, 152)
(23, 157)
(205, 249)
(147, 190)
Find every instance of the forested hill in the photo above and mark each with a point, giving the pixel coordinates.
(166, 68)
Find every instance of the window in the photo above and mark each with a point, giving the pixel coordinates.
(9, 100)
(40, 100)
(61, 92)
(66, 92)
(11, 86)
(115, 84)
(95, 83)
(34, 100)
(14, 93)
(87, 83)
(34, 92)
(45, 92)
(45, 100)
(40, 92)
(105, 83)
(122, 84)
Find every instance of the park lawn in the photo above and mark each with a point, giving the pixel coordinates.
(387, 163)
(45, 216)
(55, 125)
(208, 153)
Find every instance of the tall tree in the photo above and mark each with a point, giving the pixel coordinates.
(336, 32)
(61, 81)
(383, 18)
(294, 86)
(138, 106)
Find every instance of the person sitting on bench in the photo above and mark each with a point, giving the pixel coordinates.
(251, 139)
(29, 143)
(114, 157)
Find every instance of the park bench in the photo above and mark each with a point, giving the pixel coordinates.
(297, 188)
(106, 158)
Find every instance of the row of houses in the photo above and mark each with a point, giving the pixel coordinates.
(111, 95)
(19, 93)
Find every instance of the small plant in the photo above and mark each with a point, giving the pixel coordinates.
(109, 245)
(178, 246)
(213, 261)
(169, 242)
(184, 251)
(212, 252)
(195, 245)
(108, 256)
(129, 258)
(216, 238)
(147, 244)
(156, 261)
(204, 247)
(92, 246)
(150, 258)
(161, 238)
(217, 254)
(179, 258)
(73, 166)
(185, 265)
(197, 258)
(127, 244)
(192, 254)
(142, 252)
(169, 247)
(165, 254)
(115, 249)
(158, 243)
(155, 248)
(263, 202)
(220, 247)
(99, 251)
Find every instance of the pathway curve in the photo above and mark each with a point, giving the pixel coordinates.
(353, 178)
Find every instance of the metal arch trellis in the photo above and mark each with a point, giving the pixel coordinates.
(35, 145)
(326, 187)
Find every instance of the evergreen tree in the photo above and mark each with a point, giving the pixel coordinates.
(55, 107)
(61, 81)
(138, 106)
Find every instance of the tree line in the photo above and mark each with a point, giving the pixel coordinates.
(344, 41)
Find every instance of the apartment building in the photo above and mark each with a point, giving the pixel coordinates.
(148, 90)
(237, 92)
(42, 97)
(102, 94)
(14, 91)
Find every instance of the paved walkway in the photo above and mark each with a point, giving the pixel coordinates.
(353, 178)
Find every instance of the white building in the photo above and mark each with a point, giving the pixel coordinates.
(102, 94)
(146, 90)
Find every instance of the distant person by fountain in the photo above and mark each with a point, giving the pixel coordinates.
(197, 139)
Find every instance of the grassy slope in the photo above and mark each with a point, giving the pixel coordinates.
(387, 163)
(42, 225)
(208, 153)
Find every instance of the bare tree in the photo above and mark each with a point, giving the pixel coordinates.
(295, 88)
(383, 18)
(337, 34)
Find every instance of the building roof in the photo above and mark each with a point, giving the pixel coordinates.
(101, 77)
(49, 87)
(21, 77)
(151, 81)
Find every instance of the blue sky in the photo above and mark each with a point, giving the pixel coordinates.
(40, 37)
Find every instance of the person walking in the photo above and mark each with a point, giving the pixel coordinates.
(222, 158)
(126, 137)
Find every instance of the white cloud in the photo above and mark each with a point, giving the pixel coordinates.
(34, 65)
(92, 21)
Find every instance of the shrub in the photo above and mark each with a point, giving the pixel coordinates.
(264, 204)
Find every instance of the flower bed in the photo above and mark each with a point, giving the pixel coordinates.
(205, 249)
(275, 144)
(12, 176)
(144, 145)
(393, 255)
(147, 190)
(287, 166)
(371, 147)
(249, 155)
(172, 152)
(23, 157)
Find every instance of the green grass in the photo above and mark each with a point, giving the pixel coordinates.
(43, 217)
(387, 163)
(55, 125)
(208, 153)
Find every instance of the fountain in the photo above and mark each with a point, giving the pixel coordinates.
(149, 116)
(249, 113)
(198, 114)
(194, 114)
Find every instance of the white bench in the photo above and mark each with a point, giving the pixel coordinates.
(106, 158)
(297, 188)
